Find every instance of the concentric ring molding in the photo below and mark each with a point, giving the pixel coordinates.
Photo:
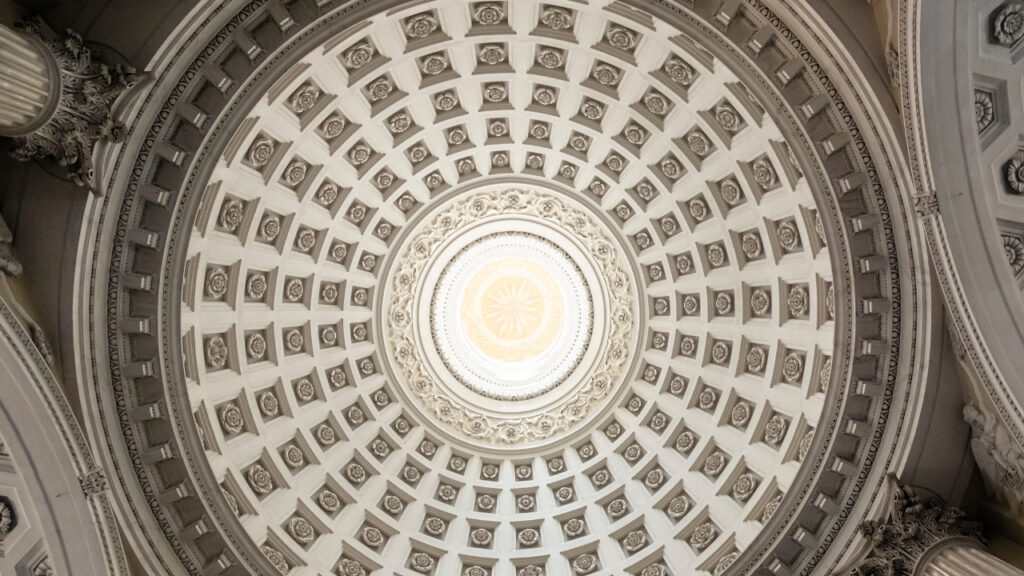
(547, 308)
(148, 396)
(608, 349)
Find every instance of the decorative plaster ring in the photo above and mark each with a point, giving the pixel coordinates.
(563, 319)
(452, 411)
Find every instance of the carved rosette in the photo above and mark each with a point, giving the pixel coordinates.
(8, 518)
(88, 89)
(916, 524)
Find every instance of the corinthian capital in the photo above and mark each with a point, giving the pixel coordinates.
(77, 111)
(916, 523)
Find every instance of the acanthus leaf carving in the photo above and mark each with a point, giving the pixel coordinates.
(452, 411)
(915, 523)
(83, 117)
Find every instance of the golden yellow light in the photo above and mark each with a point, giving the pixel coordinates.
(512, 309)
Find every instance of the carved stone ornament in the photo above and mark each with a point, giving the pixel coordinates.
(679, 72)
(1014, 174)
(984, 109)
(724, 563)
(43, 568)
(775, 430)
(606, 74)
(699, 143)
(359, 55)
(434, 64)
(301, 530)
(926, 204)
(9, 263)
(332, 126)
(492, 54)
(744, 487)
(727, 117)
(42, 344)
(93, 482)
(8, 519)
(621, 38)
(489, 13)
(556, 18)
(798, 301)
(421, 25)
(349, 567)
(1008, 24)
(771, 508)
(421, 562)
(915, 524)
(730, 191)
(276, 558)
(658, 569)
(678, 507)
(1000, 458)
(1013, 247)
(550, 58)
(585, 563)
(260, 480)
(453, 411)
(702, 537)
(88, 89)
(764, 173)
(305, 98)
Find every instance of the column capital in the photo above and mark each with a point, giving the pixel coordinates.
(85, 90)
(915, 524)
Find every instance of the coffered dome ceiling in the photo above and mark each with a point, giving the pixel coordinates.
(500, 288)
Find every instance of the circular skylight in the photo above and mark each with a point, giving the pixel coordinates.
(511, 315)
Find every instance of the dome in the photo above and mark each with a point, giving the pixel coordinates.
(501, 306)
(498, 288)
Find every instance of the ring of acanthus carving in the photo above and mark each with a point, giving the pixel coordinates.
(612, 364)
(555, 335)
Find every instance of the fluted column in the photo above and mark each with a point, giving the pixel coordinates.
(963, 557)
(56, 97)
(28, 83)
(920, 536)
